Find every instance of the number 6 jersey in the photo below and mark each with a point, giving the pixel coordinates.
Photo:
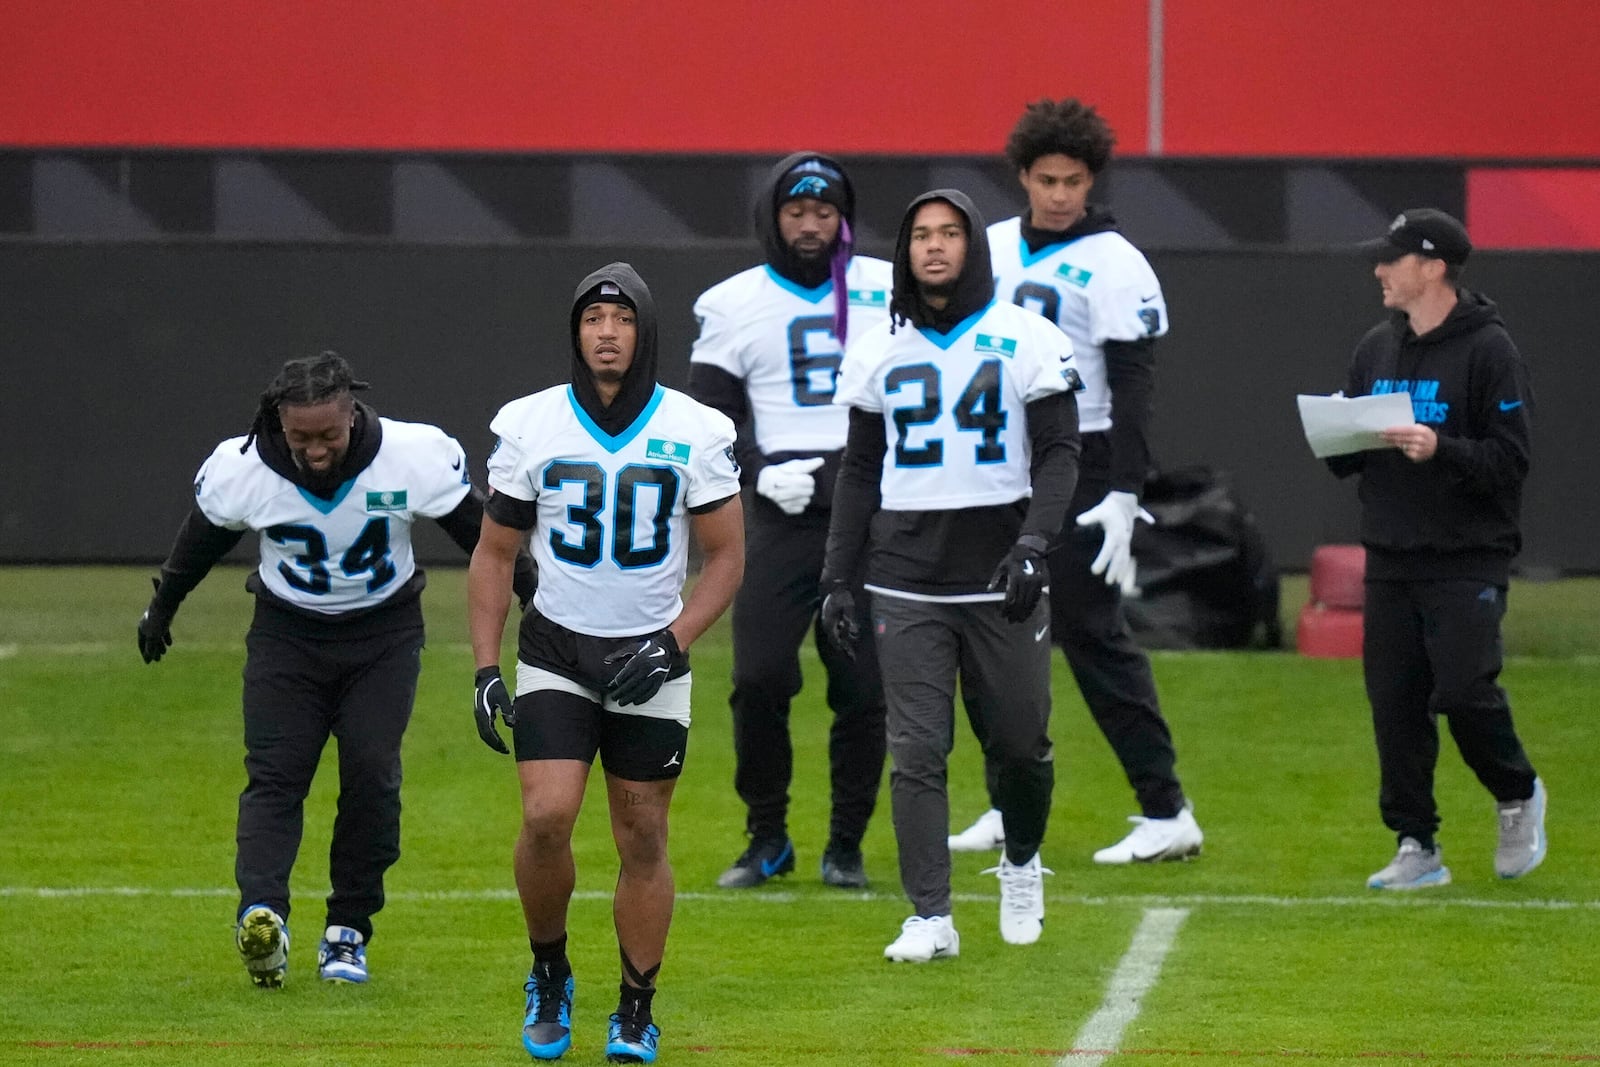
(352, 551)
(611, 538)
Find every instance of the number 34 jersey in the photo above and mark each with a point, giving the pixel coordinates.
(611, 538)
(953, 404)
(350, 552)
(778, 339)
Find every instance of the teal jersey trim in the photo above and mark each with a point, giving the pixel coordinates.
(619, 442)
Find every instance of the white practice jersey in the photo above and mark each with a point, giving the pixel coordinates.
(952, 404)
(778, 339)
(353, 551)
(1097, 288)
(612, 534)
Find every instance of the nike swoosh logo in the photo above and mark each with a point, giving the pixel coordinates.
(768, 869)
(456, 465)
(1042, 631)
(1147, 299)
(1027, 566)
(658, 653)
(1510, 405)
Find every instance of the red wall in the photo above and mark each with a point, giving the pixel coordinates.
(1476, 78)
(925, 77)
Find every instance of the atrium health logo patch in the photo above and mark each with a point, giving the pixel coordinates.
(871, 298)
(388, 500)
(1000, 346)
(671, 451)
(1075, 275)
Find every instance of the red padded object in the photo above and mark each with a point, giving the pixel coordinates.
(1337, 574)
(1328, 633)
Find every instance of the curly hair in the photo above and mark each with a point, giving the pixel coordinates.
(312, 380)
(1068, 126)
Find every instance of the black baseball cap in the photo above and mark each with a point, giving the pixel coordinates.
(1422, 231)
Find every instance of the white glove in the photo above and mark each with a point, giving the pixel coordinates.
(789, 485)
(1116, 515)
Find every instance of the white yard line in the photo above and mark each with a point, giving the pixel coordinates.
(1135, 975)
(1148, 901)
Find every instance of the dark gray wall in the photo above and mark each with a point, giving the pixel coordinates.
(124, 364)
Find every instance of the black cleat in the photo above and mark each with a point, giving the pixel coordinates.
(843, 870)
(765, 858)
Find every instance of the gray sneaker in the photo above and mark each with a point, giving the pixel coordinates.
(1522, 840)
(1413, 867)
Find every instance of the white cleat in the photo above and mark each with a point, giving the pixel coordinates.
(1021, 899)
(923, 939)
(1152, 840)
(985, 835)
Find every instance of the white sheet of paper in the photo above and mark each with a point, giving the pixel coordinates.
(1336, 425)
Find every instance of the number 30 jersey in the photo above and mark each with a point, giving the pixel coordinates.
(777, 338)
(611, 537)
(952, 404)
(350, 552)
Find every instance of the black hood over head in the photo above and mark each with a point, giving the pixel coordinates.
(834, 188)
(616, 283)
(974, 288)
(366, 435)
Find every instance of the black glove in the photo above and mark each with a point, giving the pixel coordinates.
(839, 618)
(644, 669)
(155, 627)
(491, 697)
(1023, 575)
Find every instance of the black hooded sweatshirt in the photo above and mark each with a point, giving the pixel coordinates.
(716, 388)
(200, 544)
(948, 552)
(614, 283)
(617, 283)
(1456, 515)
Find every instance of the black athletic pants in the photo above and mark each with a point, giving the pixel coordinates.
(1004, 674)
(1112, 671)
(1430, 649)
(305, 681)
(777, 603)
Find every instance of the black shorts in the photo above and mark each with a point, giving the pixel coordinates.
(555, 724)
(563, 711)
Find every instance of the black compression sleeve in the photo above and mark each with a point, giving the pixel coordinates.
(1053, 431)
(857, 494)
(464, 523)
(197, 548)
(715, 387)
(509, 511)
(1131, 374)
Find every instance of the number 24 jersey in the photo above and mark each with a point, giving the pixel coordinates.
(953, 404)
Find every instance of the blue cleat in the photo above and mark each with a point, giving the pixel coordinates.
(631, 1041)
(342, 955)
(547, 1026)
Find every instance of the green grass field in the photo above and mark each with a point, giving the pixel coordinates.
(118, 786)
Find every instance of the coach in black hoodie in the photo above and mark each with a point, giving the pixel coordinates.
(1439, 519)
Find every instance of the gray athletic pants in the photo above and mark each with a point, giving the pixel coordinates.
(1003, 669)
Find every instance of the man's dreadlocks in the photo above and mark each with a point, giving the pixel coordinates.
(312, 380)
